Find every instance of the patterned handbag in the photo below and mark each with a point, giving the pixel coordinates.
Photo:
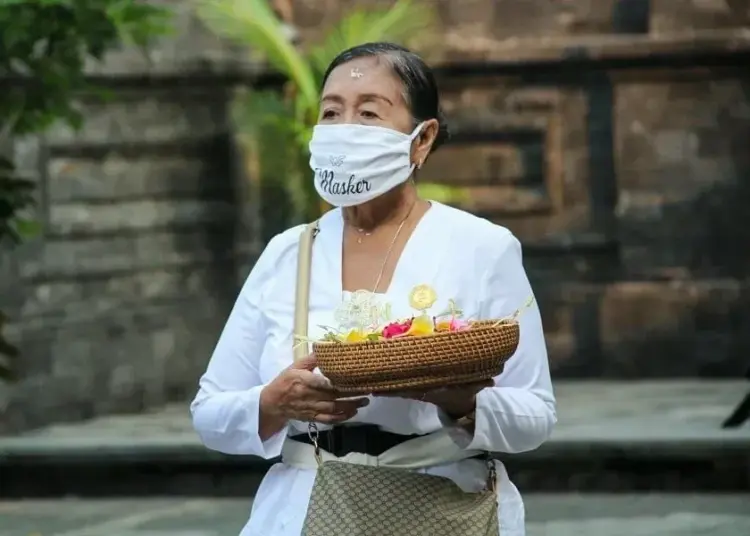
(360, 500)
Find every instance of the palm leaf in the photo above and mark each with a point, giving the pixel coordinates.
(266, 127)
(405, 20)
(443, 193)
(253, 111)
(402, 22)
(272, 139)
(253, 23)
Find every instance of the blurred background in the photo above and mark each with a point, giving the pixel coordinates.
(149, 150)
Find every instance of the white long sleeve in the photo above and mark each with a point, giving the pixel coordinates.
(518, 414)
(226, 409)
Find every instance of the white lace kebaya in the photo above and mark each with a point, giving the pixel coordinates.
(463, 257)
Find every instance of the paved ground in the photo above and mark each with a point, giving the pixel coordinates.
(657, 414)
(548, 515)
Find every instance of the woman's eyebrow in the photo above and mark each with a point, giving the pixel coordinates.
(332, 97)
(369, 97)
(366, 97)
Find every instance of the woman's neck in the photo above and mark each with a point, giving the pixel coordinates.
(390, 207)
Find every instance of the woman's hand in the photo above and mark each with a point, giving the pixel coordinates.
(300, 394)
(456, 401)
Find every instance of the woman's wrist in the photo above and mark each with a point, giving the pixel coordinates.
(457, 412)
(270, 420)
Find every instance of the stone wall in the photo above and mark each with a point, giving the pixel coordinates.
(626, 182)
(683, 167)
(611, 136)
(118, 304)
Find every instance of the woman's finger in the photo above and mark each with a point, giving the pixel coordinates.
(345, 406)
(467, 387)
(361, 400)
(427, 394)
(307, 363)
(400, 394)
(317, 395)
(335, 407)
(326, 417)
(333, 419)
(317, 381)
(329, 396)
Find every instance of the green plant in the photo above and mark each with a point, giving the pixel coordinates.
(44, 45)
(275, 126)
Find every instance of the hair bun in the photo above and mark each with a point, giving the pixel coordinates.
(444, 132)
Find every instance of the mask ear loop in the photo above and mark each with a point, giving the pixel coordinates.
(417, 131)
(414, 135)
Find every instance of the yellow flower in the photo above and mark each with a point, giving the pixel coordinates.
(355, 336)
(443, 325)
(421, 325)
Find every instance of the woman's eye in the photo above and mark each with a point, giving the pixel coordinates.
(367, 114)
(328, 114)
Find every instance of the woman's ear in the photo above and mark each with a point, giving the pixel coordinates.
(424, 141)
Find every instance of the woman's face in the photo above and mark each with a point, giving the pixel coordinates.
(365, 91)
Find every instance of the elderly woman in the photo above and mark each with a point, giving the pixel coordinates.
(379, 121)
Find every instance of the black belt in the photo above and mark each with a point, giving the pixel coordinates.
(366, 439)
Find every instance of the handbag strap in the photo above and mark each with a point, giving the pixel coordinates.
(302, 293)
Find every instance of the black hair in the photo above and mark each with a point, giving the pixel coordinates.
(420, 87)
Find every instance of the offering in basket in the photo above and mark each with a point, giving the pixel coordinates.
(420, 352)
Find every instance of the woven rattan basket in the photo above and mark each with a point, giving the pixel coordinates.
(414, 363)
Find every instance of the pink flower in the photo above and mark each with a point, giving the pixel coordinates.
(457, 324)
(394, 329)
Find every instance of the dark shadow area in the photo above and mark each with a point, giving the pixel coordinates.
(631, 16)
(601, 173)
(220, 240)
(579, 468)
(276, 210)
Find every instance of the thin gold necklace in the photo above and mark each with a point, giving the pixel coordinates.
(390, 247)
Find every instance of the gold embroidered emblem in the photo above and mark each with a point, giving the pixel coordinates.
(422, 297)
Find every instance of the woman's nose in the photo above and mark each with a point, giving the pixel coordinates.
(347, 117)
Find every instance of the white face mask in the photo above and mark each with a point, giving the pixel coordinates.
(354, 164)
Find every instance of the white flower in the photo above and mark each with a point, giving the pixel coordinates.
(362, 309)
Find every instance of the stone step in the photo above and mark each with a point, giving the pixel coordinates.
(611, 436)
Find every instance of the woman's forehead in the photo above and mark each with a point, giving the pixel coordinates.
(364, 76)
